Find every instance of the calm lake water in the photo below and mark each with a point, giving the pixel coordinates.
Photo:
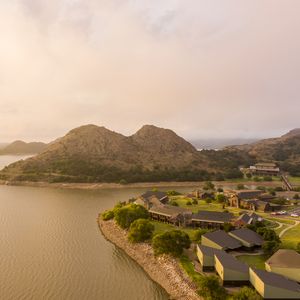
(51, 248)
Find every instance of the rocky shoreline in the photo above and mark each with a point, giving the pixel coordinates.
(164, 270)
(100, 186)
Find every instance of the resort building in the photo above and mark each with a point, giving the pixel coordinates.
(236, 196)
(220, 240)
(265, 169)
(248, 238)
(231, 271)
(210, 219)
(206, 256)
(247, 219)
(152, 198)
(273, 286)
(285, 262)
(170, 214)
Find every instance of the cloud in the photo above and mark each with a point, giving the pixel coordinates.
(202, 68)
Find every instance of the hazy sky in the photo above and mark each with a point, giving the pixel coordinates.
(209, 68)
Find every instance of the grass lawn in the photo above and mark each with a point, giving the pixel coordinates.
(281, 228)
(281, 220)
(294, 180)
(257, 261)
(163, 227)
(189, 268)
(291, 238)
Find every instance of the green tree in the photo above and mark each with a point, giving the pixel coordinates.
(171, 242)
(173, 203)
(240, 186)
(127, 214)
(228, 227)
(198, 234)
(140, 230)
(246, 293)
(298, 247)
(268, 234)
(249, 175)
(107, 215)
(210, 288)
(296, 197)
(270, 247)
(208, 185)
(221, 198)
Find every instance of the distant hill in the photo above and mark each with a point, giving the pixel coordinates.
(220, 143)
(284, 150)
(96, 154)
(21, 148)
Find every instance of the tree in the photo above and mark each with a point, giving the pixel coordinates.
(246, 293)
(298, 247)
(268, 234)
(227, 227)
(140, 230)
(296, 197)
(270, 247)
(249, 175)
(221, 198)
(171, 242)
(108, 215)
(240, 186)
(210, 289)
(195, 201)
(220, 190)
(125, 215)
(189, 202)
(198, 234)
(173, 203)
(208, 185)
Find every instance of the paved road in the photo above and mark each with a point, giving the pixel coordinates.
(288, 228)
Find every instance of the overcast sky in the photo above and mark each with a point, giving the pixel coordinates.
(209, 68)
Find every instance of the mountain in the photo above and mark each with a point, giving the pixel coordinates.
(284, 150)
(20, 147)
(95, 154)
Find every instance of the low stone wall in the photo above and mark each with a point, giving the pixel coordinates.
(164, 270)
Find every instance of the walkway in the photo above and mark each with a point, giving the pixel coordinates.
(288, 228)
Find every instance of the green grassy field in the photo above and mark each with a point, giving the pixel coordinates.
(189, 268)
(291, 238)
(256, 261)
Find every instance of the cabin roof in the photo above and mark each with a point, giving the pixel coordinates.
(276, 280)
(209, 251)
(230, 262)
(285, 258)
(157, 194)
(223, 239)
(214, 216)
(247, 235)
(169, 210)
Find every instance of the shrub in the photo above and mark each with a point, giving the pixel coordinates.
(240, 186)
(208, 185)
(221, 198)
(125, 215)
(107, 215)
(278, 189)
(210, 288)
(173, 193)
(227, 227)
(123, 181)
(171, 242)
(207, 200)
(246, 293)
(140, 230)
(188, 202)
(173, 203)
(195, 201)
(296, 197)
(220, 190)
(198, 234)
(267, 178)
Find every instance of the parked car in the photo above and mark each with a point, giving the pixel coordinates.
(294, 215)
(283, 212)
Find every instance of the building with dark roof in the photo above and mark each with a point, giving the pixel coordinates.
(152, 198)
(220, 240)
(206, 256)
(262, 169)
(286, 263)
(247, 219)
(170, 214)
(231, 271)
(236, 196)
(273, 286)
(247, 237)
(210, 219)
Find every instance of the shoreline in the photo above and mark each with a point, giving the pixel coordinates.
(163, 270)
(101, 186)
